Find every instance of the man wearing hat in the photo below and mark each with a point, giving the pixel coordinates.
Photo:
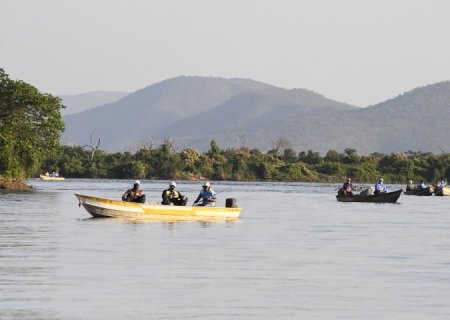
(134, 194)
(207, 195)
(171, 196)
(347, 188)
(380, 187)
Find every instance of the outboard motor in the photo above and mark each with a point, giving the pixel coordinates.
(231, 203)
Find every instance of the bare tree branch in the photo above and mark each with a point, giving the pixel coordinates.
(91, 146)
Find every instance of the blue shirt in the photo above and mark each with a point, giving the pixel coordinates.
(380, 188)
(208, 194)
(421, 185)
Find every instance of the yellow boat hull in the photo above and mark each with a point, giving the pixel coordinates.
(445, 191)
(100, 207)
(49, 178)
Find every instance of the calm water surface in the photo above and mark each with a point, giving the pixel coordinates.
(295, 253)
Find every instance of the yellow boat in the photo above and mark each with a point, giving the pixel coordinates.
(445, 191)
(106, 208)
(51, 178)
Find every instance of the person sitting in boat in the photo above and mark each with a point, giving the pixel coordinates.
(439, 185)
(47, 174)
(347, 187)
(172, 196)
(134, 194)
(421, 185)
(207, 196)
(410, 186)
(380, 187)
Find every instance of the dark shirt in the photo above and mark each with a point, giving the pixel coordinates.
(170, 194)
(347, 186)
(132, 194)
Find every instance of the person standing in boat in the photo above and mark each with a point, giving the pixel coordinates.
(347, 188)
(172, 196)
(380, 187)
(134, 194)
(207, 195)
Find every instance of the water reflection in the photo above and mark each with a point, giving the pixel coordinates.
(166, 219)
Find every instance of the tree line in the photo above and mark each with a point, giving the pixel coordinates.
(244, 164)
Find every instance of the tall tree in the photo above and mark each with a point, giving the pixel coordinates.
(215, 150)
(30, 127)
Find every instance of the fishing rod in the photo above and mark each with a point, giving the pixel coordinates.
(228, 189)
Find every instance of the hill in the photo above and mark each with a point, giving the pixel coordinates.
(132, 121)
(191, 111)
(417, 120)
(259, 119)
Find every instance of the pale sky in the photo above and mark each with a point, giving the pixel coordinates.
(357, 51)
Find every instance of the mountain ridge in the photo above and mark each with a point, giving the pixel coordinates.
(85, 101)
(191, 111)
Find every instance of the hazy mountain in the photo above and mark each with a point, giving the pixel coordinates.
(85, 101)
(417, 120)
(258, 119)
(237, 112)
(133, 120)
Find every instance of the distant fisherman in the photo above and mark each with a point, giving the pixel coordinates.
(410, 186)
(172, 196)
(380, 187)
(207, 195)
(347, 188)
(134, 194)
(421, 185)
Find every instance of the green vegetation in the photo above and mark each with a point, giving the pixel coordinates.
(30, 126)
(249, 165)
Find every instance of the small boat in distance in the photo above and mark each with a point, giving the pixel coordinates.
(444, 191)
(428, 191)
(51, 177)
(106, 208)
(389, 197)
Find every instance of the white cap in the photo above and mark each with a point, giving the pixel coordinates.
(206, 184)
(172, 183)
(137, 182)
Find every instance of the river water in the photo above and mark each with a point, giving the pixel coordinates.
(295, 253)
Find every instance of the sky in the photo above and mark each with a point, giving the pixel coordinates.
(360, 52)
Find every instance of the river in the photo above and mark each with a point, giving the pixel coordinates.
(295, 253)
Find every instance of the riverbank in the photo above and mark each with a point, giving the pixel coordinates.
(14, 184)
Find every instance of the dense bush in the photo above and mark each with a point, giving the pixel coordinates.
(249, 165)
(30, 127)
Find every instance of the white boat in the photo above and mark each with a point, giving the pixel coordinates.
(51, 178)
